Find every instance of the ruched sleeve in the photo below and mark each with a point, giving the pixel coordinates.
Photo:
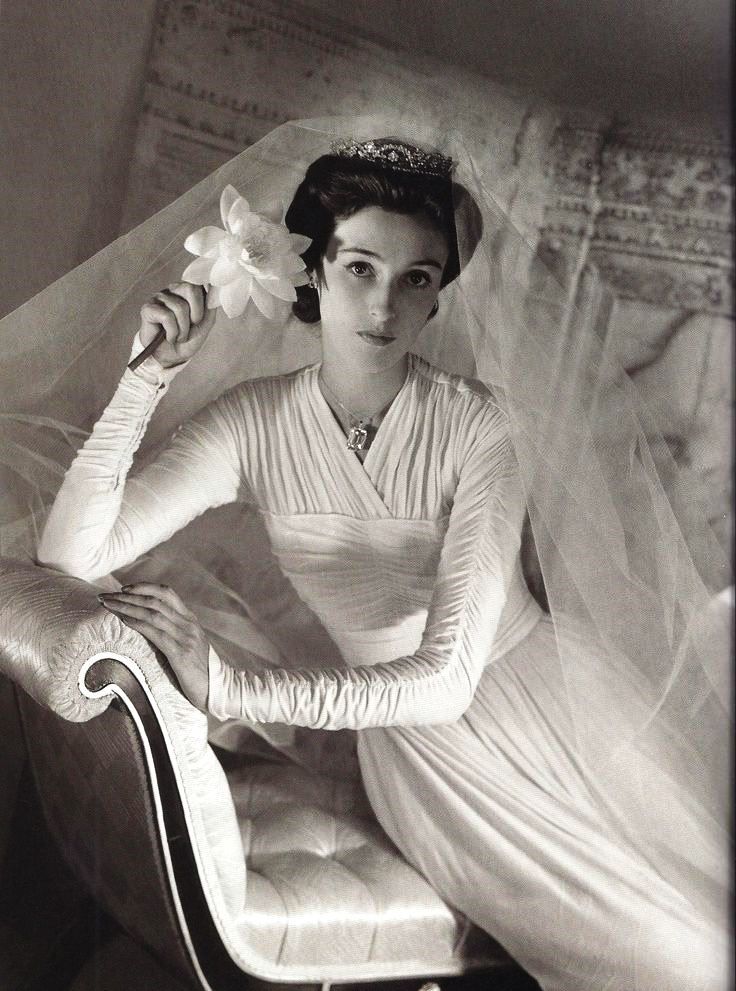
(101, 520)
(436, 683)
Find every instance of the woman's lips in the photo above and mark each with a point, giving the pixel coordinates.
(377, 340)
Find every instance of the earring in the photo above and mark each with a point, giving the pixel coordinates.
(313, 283)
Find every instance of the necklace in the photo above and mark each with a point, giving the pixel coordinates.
(359, 423)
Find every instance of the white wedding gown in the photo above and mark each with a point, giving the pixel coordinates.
(452, 675)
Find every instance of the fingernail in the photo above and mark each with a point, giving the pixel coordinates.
(125, 588)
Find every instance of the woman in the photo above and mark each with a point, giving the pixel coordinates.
(392, 498)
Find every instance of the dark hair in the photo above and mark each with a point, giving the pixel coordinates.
(336, 187)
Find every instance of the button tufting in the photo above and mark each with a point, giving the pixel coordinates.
(325, 884)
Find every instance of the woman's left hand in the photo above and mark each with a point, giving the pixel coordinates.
(157, 612)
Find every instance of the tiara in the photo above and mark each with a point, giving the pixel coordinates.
(396, 155)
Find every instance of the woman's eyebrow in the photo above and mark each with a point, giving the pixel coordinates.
(373, 254)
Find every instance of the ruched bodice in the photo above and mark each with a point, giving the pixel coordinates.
(374, 599)
(293, 456)
(370, 582)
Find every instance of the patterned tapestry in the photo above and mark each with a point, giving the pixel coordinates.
(222, 73)
(650, 206)
(653, 210)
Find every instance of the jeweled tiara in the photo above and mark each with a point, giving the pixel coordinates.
(396, 155)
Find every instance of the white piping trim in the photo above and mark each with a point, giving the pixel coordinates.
(118, 692)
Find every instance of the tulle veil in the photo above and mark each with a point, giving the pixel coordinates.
(626, 572)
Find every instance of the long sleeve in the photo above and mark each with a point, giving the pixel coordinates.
(436, 684)
(101, 520)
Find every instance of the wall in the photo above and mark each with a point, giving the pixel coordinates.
(636, 57)
(70, 75)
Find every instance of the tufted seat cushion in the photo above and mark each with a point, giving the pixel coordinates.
(325, 885)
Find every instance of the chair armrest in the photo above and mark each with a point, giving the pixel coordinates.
(54, 634)
(50, 625)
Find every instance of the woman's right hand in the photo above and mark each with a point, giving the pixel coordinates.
(181, 311)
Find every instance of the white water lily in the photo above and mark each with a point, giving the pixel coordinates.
(254, 257)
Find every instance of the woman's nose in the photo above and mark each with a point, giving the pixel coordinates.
(382, 304)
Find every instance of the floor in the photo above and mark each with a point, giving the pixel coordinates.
(54, 938)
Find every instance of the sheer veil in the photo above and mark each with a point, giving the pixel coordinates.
(632, 598)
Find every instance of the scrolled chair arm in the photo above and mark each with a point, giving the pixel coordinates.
(51, 627)
(73, 657)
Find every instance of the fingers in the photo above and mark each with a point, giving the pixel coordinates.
(140, 605)
(166, 644)
(194, 296)
(157, 314)
(176, 309)
(180, 309)
(148, 610)
(157, 605)
(160, 593)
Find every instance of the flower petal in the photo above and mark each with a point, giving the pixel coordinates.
(229, 196)
(282, 288)
(225, 270)
(264, 301)
(204, 240)
(213, 297)
(198, 271)
(288, 265)
(238, 213)
(273, 212)
(234, 298)
(300, 242)
(300, 279)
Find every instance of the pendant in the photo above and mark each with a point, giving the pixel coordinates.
(357, 438)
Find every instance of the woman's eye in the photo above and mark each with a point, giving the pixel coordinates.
(419, 278)
(359, 268)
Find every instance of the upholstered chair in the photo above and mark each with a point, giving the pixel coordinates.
(236, 872)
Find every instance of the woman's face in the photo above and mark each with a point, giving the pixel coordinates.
(381, 276)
